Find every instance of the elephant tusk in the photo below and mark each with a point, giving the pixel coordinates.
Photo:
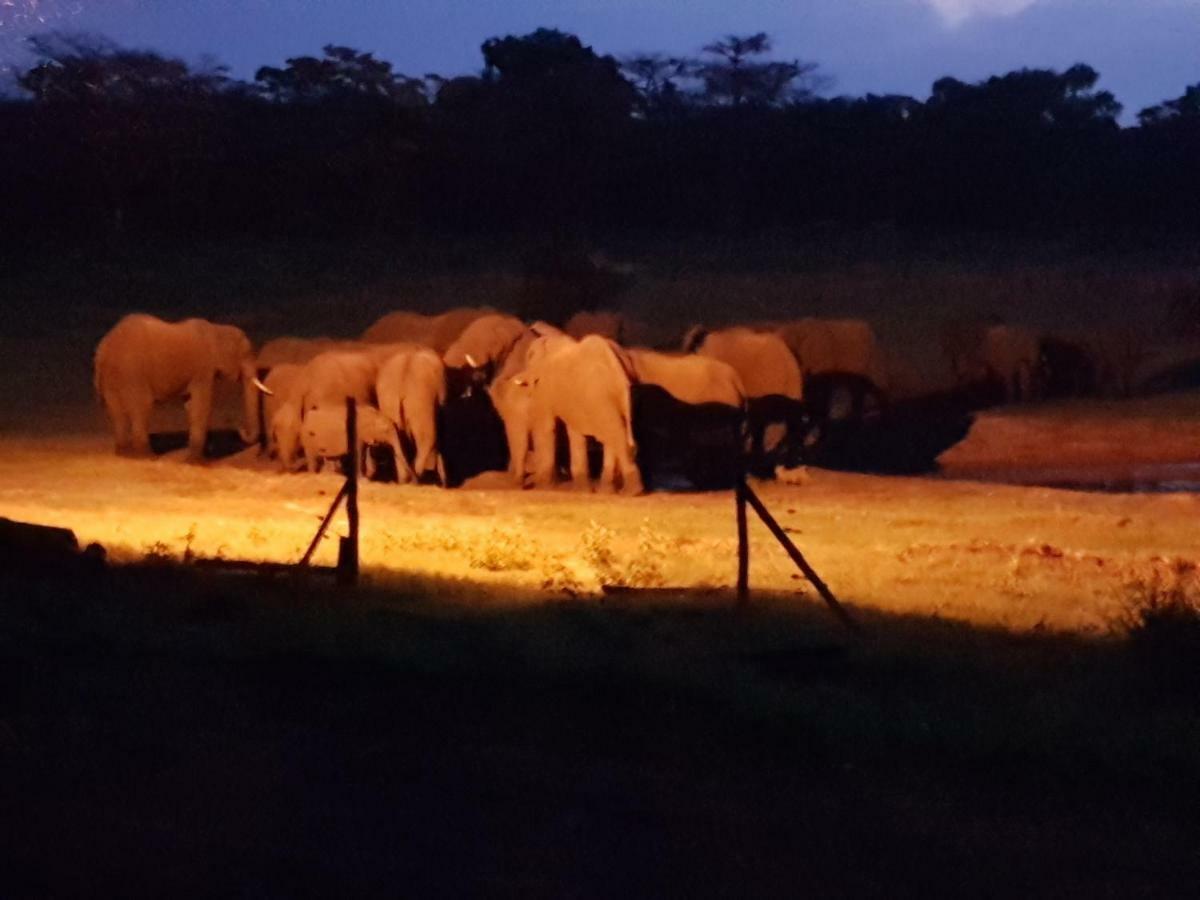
(471, 361)
(262, 387)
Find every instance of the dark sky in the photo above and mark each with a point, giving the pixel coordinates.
(1145, 50)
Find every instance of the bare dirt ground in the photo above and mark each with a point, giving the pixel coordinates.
(1017, 557)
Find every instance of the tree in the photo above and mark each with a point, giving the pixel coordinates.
(733, 75)
(657, 80)
(342, 74)
(1184, 107)
(551, 73)
(1028, 98)
(87, 69)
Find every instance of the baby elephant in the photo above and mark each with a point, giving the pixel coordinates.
(323, 436)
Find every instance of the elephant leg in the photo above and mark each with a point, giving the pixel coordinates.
(424, 449)
(577, 443)
(608, 469)
(138, 410)
(199, 410)
(516, 433)
(404, 472)
(439, 463)
(631, 475)
(119, 420)
(544, 452)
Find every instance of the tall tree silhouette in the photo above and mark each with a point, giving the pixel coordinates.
(1186, 106)
(555, 109)
(734, 74)
(660, 82)
(1028, 98)
(342, 74)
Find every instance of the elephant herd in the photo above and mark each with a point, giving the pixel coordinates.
(575, 402)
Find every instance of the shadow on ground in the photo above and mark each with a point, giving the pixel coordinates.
(165, 732)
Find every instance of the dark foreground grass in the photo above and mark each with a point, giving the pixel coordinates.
(170, 733)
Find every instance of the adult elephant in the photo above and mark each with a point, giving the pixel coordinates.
(1010, 355)
(604, 322)
(411, 389)
(772, 379)
(290, 350)
(512, 399)
(481, 352)
(144, 360)
(585, 385)
(437, 332)
(998, 362)
(689, 417)
(845, 349)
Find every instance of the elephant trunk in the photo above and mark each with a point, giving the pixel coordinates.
(251, 429)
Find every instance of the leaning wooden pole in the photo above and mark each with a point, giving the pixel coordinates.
(312, 547)
(743, 574)
(798, 558)
(348, 546)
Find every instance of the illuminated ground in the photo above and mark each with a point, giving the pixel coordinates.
(987, 554)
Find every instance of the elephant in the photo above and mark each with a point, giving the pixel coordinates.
(689, 378)
(326, 379)
(998, 362)
(836, 346)
(605, 323)
(481, 350)
(1066, 368)
(144, 360)
(772, 379)
(512, 399)
(1010, 357)
(411, 388)
(437, 332)
(323, 436)
(295, 350)
(689, 411)
(586, 385)
(283, 434)
(281, 381)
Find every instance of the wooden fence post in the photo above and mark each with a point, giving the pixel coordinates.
(348, 546)
(743, 576)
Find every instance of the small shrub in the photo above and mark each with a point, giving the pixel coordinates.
(188, 538)
(158, 553)
(560, 577)
(599, 554)
(1162, 623)
(502, 551)
(645, 569)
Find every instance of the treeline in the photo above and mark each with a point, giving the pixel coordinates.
(553, 137)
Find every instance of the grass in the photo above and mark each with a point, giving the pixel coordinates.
(170, 729)
(1017, 558)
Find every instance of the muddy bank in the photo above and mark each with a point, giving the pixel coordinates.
(1138, 444)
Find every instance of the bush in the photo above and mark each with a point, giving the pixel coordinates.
(1162, 624)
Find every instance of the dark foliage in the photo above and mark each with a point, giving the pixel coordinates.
(554, 138)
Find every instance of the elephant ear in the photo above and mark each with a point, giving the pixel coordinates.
(232, 349)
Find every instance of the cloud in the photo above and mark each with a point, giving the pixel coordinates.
(956, 12)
